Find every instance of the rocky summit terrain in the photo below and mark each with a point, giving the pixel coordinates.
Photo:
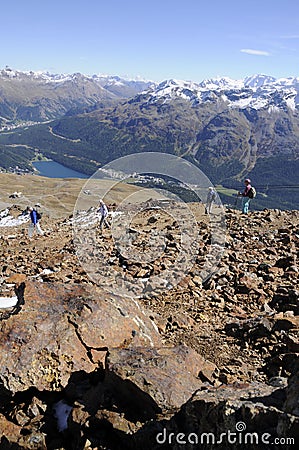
(207, 363)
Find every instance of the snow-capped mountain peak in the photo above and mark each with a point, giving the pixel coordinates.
(255, 81)
(256, 91)
(220, 83)
(45, 76)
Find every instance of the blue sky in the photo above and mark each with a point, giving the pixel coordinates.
(154, 39)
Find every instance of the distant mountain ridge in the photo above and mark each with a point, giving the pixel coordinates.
(30, 97)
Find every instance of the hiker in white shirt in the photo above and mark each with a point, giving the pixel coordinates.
(210, 200)
(103, 210)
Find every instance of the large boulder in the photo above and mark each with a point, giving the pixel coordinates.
(61, 329)
(239, 415)
(168, 375)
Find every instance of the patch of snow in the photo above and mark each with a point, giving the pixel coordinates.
(291, 103)
(47, 272)
(7, 220)
(62, 411)
(255, 103)
(8, 302)
(273, 109)
(255, 81)
(115, 214)
(91, 217)
(222, 83)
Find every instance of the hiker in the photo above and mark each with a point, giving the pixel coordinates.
(210, 199)
(245, 195)
(34, 225)
(103, 210)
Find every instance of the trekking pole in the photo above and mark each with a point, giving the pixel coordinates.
(236, 201)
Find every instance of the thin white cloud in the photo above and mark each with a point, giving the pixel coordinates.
(290, 36)
(251, 51)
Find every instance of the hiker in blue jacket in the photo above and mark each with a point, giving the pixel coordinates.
(34, 225)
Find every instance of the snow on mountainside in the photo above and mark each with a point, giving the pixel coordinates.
(47, 77)
(255, 81)
(105, 81)
(257, 91)
(34, 97)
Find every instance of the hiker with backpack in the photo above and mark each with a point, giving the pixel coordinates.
(35, 216)
(248, 193)
(210, 200)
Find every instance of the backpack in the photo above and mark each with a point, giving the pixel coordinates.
(38, 215)
(252, 192)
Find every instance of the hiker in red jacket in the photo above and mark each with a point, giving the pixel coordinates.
(245, 195)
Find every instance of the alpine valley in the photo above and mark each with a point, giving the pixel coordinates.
(231, 129)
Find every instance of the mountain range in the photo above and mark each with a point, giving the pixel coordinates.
(257, 92)
(229, 128)
(40, 96)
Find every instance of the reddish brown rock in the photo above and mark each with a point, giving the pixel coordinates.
(9, 430)
(168, 375)
(217, 418)
(248, 282)
(16, 278)
(60, 330)
(20, 437)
